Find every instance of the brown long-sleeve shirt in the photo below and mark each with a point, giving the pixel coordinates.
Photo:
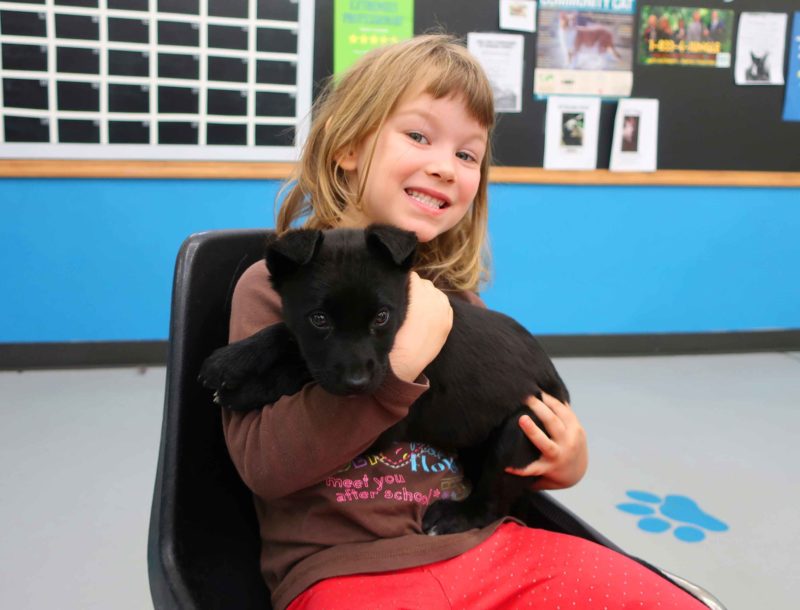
(326, 508)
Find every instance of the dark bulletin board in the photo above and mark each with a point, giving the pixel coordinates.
(706, 122)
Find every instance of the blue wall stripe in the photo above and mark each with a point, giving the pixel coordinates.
(91, 260)
(646, 259)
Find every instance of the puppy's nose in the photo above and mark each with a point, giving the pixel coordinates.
(356, 382)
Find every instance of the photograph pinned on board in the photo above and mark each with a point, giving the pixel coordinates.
(630, 133)
(760, 49)
(572, 125)
(572, 128)
(634, 145)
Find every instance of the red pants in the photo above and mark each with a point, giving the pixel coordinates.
(517, 567)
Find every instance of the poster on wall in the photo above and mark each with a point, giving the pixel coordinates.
(155, 80)
(359, 27)
(585, 47)
(791, 104)
(501, 58)
(685, 36)
(760, 48)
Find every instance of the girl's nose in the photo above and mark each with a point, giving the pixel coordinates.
(441, 167)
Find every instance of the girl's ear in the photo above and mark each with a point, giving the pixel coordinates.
(347, 159)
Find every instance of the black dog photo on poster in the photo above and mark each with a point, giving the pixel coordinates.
(758, 70)
(572, 128)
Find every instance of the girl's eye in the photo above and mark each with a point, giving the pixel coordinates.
(465, 156)
(418, 137)
(381, 318)
(318, 319)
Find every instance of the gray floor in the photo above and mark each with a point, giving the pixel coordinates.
(79, 450)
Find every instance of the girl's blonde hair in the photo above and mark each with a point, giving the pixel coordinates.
(356, 106)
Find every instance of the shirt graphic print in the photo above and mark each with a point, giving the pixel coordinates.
(404, 473)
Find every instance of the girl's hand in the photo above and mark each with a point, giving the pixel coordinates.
(428, 322)
(565, 455)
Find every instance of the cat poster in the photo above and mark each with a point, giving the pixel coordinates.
(760, 49)
(584, 48)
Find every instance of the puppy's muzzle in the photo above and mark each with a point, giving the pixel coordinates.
(357, 382)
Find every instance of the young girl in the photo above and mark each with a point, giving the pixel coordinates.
(403, 138)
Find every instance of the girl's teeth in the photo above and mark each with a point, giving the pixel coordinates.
(427, 200)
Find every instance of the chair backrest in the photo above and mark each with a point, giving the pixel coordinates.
(203, 547)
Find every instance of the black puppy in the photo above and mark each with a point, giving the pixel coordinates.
(345, 294)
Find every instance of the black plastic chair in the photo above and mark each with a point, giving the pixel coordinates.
(204, 544)
(203, 548)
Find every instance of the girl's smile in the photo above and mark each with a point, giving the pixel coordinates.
(431, 202)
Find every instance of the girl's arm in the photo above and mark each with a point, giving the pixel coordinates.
(301, 439)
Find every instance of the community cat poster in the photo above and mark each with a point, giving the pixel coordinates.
(585, 47)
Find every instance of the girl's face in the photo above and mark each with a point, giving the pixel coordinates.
(426, 168)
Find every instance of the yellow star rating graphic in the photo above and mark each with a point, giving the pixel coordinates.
(371, 39)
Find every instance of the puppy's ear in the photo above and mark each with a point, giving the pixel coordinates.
(399, 245)
(290, 251)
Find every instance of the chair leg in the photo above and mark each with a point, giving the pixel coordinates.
(699, 592)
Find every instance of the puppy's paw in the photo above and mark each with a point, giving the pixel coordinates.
(220, 371)
(248, 396)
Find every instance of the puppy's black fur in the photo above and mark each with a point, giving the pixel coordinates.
(345, 295)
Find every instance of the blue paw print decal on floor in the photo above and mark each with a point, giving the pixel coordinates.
(659, 514)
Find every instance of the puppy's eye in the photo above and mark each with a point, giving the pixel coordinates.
(381, 318)
(318, 319)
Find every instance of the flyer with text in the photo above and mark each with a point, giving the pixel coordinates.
(501, 58)
(360, 26)
(760, 49)
(685, 36)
